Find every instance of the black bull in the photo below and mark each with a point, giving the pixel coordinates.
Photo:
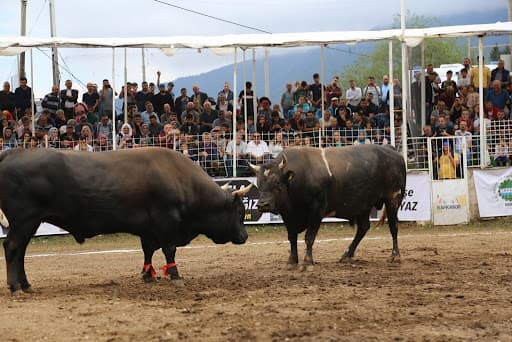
(305, 185)
(157, 194)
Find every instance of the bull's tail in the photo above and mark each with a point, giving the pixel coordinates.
(383, 217)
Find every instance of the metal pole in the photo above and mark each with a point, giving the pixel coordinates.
(55, 55)
(234, 117)
(254, 98)
(391, 95)
(322, 75)
(510, 19)
(244, 71)
(405, 85)
(469, 48)
(423, 86)
(23, 33)
(143, 65)
(483, 146)
(32, 98)
(125, 89)
(266, 71)
(114, 117)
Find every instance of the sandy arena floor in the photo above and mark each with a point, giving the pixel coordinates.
(453, 284)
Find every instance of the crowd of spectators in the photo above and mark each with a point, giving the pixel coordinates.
(200, 125)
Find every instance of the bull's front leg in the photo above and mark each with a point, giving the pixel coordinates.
(11, 262)
(171, 269)
(310, 240)
(293, 259)
(148, 271)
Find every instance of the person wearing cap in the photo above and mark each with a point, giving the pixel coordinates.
(221, 119)
(447, 163)
(161, 99)
(354, 95)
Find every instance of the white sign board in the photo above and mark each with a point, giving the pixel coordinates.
(416, 205)
(494, 192)
(450, 202)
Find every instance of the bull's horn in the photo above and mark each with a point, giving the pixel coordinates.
(3, 219)
(282, 164)
(225, 186)
(254, 168)
(242, 192)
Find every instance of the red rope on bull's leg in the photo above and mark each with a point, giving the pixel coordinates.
(148, 268)
(166, 268)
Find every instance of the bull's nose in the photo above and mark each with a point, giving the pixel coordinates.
(263, 206)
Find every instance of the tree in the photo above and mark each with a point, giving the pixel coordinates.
(437, 51)
(495, 53)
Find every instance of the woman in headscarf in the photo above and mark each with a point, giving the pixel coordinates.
(125, 137)
(53, 138)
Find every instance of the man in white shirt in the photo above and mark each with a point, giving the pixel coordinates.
(353, 95)
(257, 150)
(241, 154)
(384, 88)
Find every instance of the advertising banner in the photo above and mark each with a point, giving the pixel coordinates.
(450, 202)
(494, 192)
(416, 205)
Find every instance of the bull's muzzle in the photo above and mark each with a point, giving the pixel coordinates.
(263, 206)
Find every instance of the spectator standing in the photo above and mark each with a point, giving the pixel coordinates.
(106, 98)
(384, 89)
(142, 97)
(287, 102)
(246, 95)
(315, 90)
(227, 92)
(161, 99)
(199, 96)
(23, 96)
(51, 102)
(463, 80)
(91, 98)
(333, 90)
(501, 74)
(182, 101)
(68, 99)
(354, 95)
(7, 98)
(447, 163)
(475, 77)
(449, 82)
(372, 88)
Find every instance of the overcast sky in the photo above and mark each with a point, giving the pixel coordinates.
(131, 18)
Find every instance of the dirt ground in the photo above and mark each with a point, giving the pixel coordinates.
(453, 284)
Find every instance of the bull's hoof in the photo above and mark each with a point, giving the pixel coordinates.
(345, 258)
(395, 259)
(18, 294)
(292, 267)
(27, 289)
(307, 268)
(148, 278)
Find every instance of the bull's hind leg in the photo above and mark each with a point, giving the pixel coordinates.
(148, 272)
(392, 213)
(170, 269)
(363, 224)
(15, 246)
(293, 259)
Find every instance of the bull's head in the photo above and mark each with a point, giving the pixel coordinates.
(273, 180)
(234, 230)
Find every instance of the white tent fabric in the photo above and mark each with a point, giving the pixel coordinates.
(414, 36)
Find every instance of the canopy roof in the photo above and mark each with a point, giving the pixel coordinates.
(13, 45)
